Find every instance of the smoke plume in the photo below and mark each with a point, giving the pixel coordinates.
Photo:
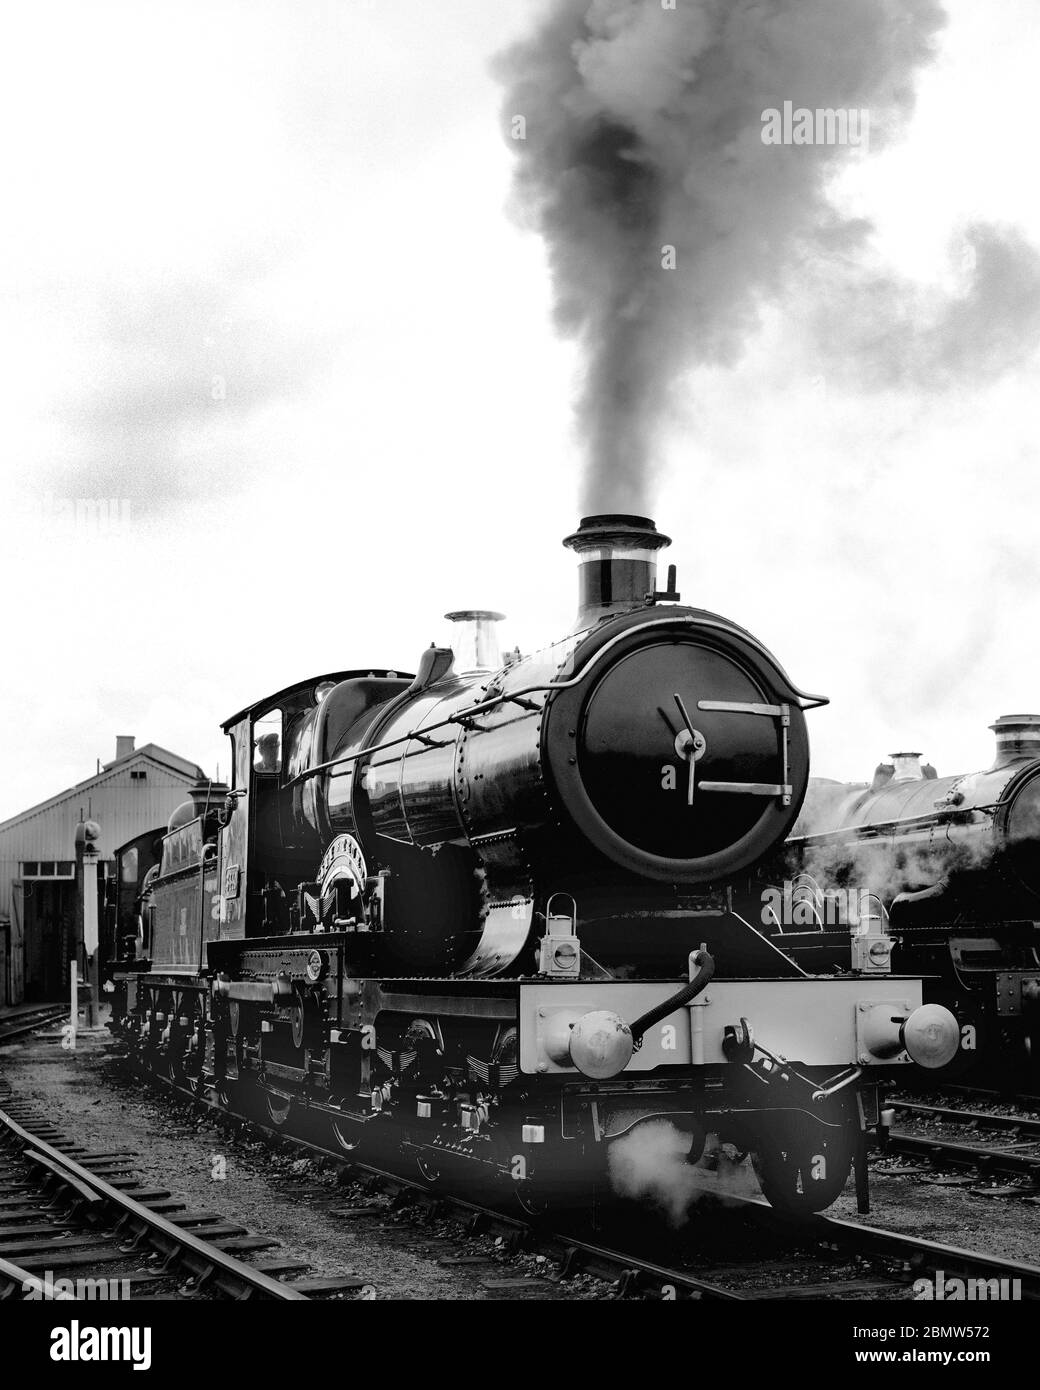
(638, 131)
(883, 331)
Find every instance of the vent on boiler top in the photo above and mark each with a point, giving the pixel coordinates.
(475, 641)
(1018, 736)
(617, 565)
(906, 767)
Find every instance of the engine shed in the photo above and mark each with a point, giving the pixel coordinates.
(140, 788)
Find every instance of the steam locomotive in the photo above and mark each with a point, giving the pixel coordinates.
(486, 916)
(949, 868)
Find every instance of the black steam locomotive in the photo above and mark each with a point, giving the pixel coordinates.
(950, 868)
(484, 916)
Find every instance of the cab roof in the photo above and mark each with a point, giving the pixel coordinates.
(280, 696)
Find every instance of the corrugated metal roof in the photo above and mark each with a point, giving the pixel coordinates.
(185, 770)
(162, 755)
(122, 805)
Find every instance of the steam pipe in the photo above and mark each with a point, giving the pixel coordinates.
(705, 969)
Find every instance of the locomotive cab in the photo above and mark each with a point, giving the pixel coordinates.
(275, 830)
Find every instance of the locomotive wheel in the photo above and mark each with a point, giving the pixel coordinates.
(279, 1108)
(345, 1135)
(174, 1061)
(428, 1170)
(175, 1068)
(223, 1093)
(239, 1096)
(534, 1197)
(803, 1166)
(198, 1084)
(193, 1068)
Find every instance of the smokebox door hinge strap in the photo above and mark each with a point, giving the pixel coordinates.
(783, 790)
(743, 707)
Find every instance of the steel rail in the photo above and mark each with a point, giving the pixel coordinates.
(946, 1151)
(15, 1281)
(26, 1023)
(983, 1093)
(639, 1272)
(173, 1241)
(1021, 1124)
(857, 1237)
(932, 1254)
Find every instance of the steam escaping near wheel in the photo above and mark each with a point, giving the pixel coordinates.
(650, 1164)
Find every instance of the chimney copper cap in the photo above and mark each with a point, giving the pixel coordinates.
(1018, 736)
(1008, 722)
(616, 529)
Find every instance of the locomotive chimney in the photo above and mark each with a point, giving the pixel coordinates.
(207, 795)
(1018, 736)
(617, 565)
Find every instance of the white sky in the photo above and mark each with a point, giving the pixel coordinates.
(308, 201)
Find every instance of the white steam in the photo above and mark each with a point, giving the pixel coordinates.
(649, 1165)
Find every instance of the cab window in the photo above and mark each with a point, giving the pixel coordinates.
(130, 865)
(267, 742)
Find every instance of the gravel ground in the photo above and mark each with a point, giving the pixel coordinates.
(948, 1207)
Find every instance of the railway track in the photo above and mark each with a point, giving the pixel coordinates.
(1015, 1154)
(987, 1096)
(744, 1250)
(71, 1219)
(18, 1025)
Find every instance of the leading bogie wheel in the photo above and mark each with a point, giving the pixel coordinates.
(803, 1161)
